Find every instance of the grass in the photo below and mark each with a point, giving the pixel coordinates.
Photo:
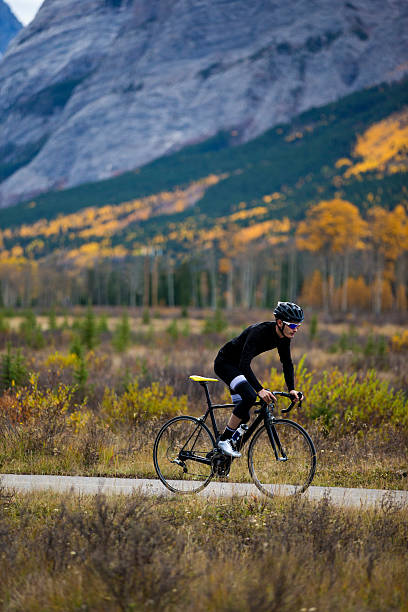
(62, 552)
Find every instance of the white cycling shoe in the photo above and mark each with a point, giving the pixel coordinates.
(227, 448)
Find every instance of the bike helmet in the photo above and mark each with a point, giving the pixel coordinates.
(289, 312)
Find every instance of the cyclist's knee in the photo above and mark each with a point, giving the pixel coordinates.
(244, 397)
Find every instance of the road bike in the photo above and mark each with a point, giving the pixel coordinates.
(281, 454)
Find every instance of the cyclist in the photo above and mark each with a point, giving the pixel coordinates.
(233, 366)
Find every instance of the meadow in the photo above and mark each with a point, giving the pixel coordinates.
(84, 392)
(65, 553)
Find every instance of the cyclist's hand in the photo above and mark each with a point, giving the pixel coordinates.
(267, 396)
(296, 395)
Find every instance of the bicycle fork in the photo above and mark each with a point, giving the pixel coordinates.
(280, 454)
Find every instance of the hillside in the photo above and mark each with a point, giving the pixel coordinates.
(296, 165)
(93, 88)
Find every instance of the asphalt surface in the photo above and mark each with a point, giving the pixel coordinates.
(126, 486)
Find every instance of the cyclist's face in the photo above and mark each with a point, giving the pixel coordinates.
(285, 330)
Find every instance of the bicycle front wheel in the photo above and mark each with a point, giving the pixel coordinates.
(182, 455)
(286, 466)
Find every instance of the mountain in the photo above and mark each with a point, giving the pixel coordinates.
(93, 88)
(9, 26)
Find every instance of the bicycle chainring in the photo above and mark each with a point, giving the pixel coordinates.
(221, 464)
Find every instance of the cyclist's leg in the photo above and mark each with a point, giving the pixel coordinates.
(242, 393)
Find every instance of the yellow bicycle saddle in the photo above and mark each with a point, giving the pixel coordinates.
(203, 378)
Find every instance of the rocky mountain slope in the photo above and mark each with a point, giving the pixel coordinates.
(92, 88)
(9, 26)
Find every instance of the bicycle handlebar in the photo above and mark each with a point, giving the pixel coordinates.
(288, 395)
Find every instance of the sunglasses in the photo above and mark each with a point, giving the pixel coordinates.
(292, 325)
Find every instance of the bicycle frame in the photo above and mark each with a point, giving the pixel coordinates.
(264, 415)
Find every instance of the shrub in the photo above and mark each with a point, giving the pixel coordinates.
(313, 327)
(61, 361)
(347, 402)
(140, 404)
(217, 323)
(399, 342)
(146, 317)
(102, 325)
(173, 330)
(4, 326)
(31, 331)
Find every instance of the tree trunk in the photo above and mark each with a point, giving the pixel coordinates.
(344, 295)
(146, 281)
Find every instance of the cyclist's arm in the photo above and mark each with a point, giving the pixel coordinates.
(287, 365)
(249, 351)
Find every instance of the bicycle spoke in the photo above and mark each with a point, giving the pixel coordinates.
(180, 455)
(291, 468)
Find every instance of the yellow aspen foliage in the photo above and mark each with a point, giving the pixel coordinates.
(246, 214)
(358, 294)
(17, 251)
(388, 231)
(331, 226)
(343, 161)
(224, 265)
(383, 146)
(312, 290)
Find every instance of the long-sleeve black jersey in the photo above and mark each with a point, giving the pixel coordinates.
(254, 340)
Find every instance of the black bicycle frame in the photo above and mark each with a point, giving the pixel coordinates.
(263, 412)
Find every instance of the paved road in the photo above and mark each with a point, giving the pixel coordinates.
(126, 486)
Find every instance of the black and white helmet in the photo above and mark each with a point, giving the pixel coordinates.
(289, 312)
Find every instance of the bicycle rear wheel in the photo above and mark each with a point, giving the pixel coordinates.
(293, 470)
(181, 455)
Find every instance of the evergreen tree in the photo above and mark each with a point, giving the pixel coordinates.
(121, 338)
(13, 370)
(88, 333)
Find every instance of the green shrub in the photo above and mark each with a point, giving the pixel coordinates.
(4, 326)
(102, 324)
(31, 331)
(146, 317)
(215, 324)
(313, 327)
(173, 330)
(346, 402)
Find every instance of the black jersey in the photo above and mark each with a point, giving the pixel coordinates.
(254, 340)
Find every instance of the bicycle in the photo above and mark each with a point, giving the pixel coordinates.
(281, 454)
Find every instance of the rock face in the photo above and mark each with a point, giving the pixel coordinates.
(9, 26)
(92, 88)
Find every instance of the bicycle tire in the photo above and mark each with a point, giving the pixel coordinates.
(282, 477)
(188, 434)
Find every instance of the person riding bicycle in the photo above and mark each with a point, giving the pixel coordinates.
(233, 366)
